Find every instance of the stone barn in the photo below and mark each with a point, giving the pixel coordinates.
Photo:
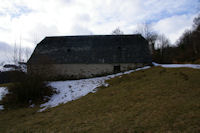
(75, 57)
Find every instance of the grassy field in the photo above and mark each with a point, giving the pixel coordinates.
(148, 101)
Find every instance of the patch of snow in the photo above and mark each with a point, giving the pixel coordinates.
(32, 105)
(177, 65)
(74, 89)
(22, 67)
(156, 64)
(1, 107)
(3, 92)
(2, 68)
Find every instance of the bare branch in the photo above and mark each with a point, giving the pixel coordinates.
(117, 31)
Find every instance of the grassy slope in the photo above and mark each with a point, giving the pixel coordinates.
(153, 100)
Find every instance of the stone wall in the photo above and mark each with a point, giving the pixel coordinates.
(78, 71)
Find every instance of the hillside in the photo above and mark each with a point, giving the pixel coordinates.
(152, 100)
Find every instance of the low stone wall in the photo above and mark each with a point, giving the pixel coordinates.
(78, 71)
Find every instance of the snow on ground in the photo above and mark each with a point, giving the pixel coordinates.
(3, 92)
(22, 67)
(177, 65)
(74, 89)
(2, 68)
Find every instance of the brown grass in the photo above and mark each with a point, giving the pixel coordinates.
(153, 100)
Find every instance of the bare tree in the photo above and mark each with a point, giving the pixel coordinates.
(20, 54)
(20, 51)
(117, 31)
(27, 53)
(7, 55)
(35, 39)
(196, 21)
(147, 32)
(15, 60)
(162, 42)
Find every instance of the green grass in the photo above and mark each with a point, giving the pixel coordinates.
(152, 100)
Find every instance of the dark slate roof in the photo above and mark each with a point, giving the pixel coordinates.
(92, 49)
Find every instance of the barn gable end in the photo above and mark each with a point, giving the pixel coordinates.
(76, 57)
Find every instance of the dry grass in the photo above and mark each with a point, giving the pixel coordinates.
(153, 100)
(5, 85)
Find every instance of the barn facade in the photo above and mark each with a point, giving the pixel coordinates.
(75, 57)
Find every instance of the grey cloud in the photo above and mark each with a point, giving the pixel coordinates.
(80, 30)
(41, 31)
(15, 10)
(83, 17)
(5, 52)
(4, 46)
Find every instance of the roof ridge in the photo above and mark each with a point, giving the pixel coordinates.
(93, 35)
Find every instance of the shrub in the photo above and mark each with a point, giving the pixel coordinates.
(29, 90)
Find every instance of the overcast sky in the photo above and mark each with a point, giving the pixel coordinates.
(32, 20)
